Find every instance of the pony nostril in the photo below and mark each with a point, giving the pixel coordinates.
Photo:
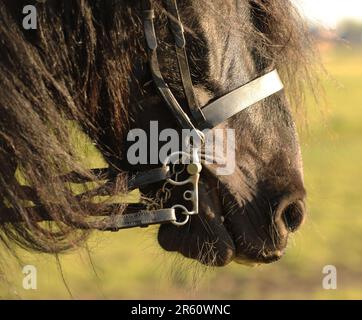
(293, 216)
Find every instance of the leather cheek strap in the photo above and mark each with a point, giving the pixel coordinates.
(232, 103)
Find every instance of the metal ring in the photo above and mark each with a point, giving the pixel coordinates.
(169, 160)
(185, 212)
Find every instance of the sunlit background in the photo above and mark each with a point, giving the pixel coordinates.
(330, 12)
(129, 264)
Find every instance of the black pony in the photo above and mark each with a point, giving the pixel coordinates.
(86, 64)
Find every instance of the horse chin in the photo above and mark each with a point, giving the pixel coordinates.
(211, 237)
(243, 260)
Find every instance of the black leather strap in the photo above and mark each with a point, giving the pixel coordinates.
(141, 218)
(177, 29)
(148, 177)
(136, 180)
(151, 40)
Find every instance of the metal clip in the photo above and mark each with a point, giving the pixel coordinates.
(193, 169)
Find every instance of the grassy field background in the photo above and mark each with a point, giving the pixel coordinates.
(129, 264)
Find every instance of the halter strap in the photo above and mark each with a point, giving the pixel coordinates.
(232, 103)
(217, 111)
(128, 219)
(177, 29)
(151, 40)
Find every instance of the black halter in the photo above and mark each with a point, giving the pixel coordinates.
(221, 109)
(209, 116)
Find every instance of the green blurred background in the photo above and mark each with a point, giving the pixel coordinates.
(129, 264)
